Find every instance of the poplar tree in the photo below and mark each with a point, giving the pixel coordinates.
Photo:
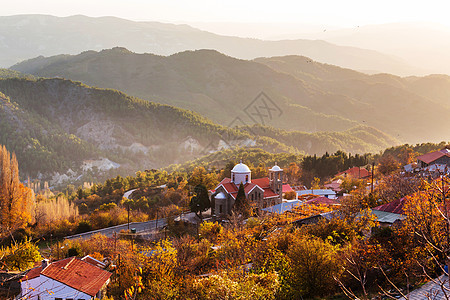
(15, 199)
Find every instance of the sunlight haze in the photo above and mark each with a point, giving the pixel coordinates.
(346, 13)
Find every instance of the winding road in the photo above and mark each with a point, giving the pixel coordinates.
(109, 231)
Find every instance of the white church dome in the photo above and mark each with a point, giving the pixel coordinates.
(220, 196)
(276, 168)
(241, 168)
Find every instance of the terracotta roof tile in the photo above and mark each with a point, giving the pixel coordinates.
(77, 274)
(355, 172)
(262, 182)
(287, 188)
(268, 193)
(32, 273)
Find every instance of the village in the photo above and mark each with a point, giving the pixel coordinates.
(258, 234)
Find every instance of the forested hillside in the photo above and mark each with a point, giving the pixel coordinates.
(304, 95)
(55, 124)
(63, 123)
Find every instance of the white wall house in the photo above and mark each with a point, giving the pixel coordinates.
(70, 278)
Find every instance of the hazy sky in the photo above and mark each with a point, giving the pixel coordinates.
(345, 13)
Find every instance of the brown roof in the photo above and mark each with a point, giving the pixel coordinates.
(77, 274)
(322, 201)
(395, 206)
(432, 156)
(355, 172)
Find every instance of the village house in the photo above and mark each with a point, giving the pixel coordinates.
(441, 157)
(390, 213)
(264, 192)
(355, 173)
(70, 278)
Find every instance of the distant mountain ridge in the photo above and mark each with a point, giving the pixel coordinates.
(26, 36)
(310, 96)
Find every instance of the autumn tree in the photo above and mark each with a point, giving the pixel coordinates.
(293, 173)
(201, 176)
(314, 265)
(260, 171)
(388, 164)
(19, 256)
(15, 199)
(396, 186)
(315, 184)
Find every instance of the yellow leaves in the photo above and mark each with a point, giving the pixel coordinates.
(210, 230)
(366, 220)
(17, 200)
(233, 285)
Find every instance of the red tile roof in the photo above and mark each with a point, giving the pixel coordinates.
(395, 206)
(432, 156)
(322, 201)
(32, 273)
(248, 187)
(77, 274)
(268, 193)
(335, 186)
(263, 183)
(287, 188)
(355, 172)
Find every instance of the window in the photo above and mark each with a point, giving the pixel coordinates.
(246, 178)
(233, 177)
(220, 208)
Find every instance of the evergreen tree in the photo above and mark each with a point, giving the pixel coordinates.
(241, 205)
(200, 202)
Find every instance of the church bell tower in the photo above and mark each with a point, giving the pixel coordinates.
(276, 180)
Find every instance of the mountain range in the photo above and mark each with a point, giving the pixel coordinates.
(26, 36)
(288, 92)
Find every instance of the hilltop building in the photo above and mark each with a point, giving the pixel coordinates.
(264, 192)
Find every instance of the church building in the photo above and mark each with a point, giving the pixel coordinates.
(264, 192)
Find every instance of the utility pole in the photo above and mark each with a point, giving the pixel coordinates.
(115, 242)
(128, 215)
(371, 186)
